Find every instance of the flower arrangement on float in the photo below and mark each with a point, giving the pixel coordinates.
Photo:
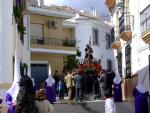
(92, 68)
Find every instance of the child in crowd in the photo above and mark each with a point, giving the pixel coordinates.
(61, 89)
(109, 103)
(43, 105)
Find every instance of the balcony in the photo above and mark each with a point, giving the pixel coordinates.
(145, 24)
(110, 3)
(53, 45)
(125, 27)
(116, 42)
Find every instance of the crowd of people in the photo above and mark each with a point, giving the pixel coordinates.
(24, 97)
(76, 84)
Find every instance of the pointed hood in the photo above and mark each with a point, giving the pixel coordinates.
(117, 78)
(13, 91)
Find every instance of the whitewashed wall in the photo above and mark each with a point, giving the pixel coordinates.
(8, 36)
(6, 40)
(139, 50)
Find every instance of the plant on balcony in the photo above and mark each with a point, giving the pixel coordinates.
(23, 69)
(21, 29)
(17, 11)
(69, 43)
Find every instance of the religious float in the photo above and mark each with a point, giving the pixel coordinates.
(89, 68)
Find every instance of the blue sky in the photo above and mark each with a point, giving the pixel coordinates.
(99, 5)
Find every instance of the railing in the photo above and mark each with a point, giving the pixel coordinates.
(145, 20)
(124, 23)
(52, 41)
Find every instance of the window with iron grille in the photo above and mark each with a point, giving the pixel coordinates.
(119, 58)
(95, 37)
(128, 60)
(108, 41)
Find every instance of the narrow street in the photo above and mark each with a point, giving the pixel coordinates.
(90, 107)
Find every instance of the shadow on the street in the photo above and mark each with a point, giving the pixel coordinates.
(88, 109)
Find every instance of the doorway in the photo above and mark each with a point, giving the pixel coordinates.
(40, 73)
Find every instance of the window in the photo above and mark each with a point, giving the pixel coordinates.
(95, 37)
(37, 35)
(108, 41)
(119, 58)
(128, 60)
(51, 24)
(109, 65)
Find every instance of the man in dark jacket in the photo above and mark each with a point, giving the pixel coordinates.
(109, 80)
(78, 80)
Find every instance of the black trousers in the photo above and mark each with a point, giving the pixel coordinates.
(61, 94)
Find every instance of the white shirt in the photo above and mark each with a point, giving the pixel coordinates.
(110, 106)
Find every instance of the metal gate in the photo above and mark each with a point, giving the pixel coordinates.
(40, 73)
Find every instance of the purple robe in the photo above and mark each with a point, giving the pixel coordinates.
(117, 92)
(51, 93)
(140, 101)
(11, 108)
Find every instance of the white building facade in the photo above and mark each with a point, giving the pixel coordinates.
(132, 51)
(10, 43)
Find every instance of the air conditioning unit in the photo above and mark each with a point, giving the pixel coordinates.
(51, 24)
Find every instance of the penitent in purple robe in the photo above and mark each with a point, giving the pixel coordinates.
(140, 101)
(51, 93)
(117, 92)
(11, 108)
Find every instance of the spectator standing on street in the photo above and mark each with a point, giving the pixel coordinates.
(109, 103)
(61, 89)
(68, 81)
(56, 78)
(109, 80)
(78, 80)
(102, 81)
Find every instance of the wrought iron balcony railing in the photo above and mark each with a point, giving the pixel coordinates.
(53, 41)
(145, 20)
